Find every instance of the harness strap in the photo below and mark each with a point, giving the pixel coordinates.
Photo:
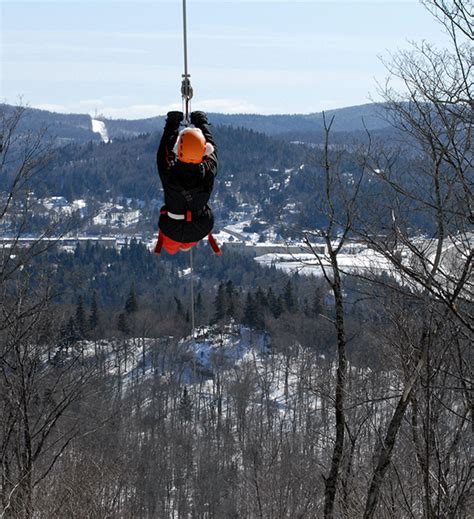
(214, 245)
(187, 216)
(212, 242)
(173, 216)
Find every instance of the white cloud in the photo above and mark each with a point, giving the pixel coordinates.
(87, 103)
(143, 111)
(228, 106)
(51, 107)
(116, 97)
(138, 111)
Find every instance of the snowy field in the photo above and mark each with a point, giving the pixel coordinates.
(307, 264)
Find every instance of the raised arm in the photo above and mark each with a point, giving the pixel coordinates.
(199, 119)
(165, 155)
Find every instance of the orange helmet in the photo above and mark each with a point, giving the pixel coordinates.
(191, 146)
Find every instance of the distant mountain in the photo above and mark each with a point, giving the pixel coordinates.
(63, 127)
(345, 120)
(347, 123)
(351, 119)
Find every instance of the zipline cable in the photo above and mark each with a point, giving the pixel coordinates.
(186, 89)
(187, 94)
(185, 40)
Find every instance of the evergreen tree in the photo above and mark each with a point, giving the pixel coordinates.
(259, 323)
(253, 313)
(94, 317)
(80, 318)
(261, 298)
(248, 310)
(69, 334)
(219, 304)
(122, 323)
(131, 304)
(317, 304)
(186, 405)
(179, 306)
(231, 296)
(274, 303)
(307, 308)
(289, 298)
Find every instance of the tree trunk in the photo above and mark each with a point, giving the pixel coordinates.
(333, 477)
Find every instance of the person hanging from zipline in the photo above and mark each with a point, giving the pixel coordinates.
(187, 164)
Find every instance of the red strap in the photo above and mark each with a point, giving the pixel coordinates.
(159, 243)
(163, 211)
(214, 245)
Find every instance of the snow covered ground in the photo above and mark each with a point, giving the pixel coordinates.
(231, 345)
(237, 230)
(292, 257)
(231, 350)
(365, 261)
(117, 215)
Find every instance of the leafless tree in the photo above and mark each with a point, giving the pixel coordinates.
(337, 204)
(38, 384)
(434, 119)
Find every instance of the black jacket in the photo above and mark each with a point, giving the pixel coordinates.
(187, 187)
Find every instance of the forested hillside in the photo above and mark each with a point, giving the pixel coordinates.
(127, 167)
(264, 179)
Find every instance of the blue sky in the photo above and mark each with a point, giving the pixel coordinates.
(125, 59)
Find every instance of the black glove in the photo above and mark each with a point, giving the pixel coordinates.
(198, 118)
(173, 119)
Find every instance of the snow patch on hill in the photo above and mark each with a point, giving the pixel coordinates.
(227, 347)
(99, 127)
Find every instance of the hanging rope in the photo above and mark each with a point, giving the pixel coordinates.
(193, 320)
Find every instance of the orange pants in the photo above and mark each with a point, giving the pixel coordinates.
(172, 246)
